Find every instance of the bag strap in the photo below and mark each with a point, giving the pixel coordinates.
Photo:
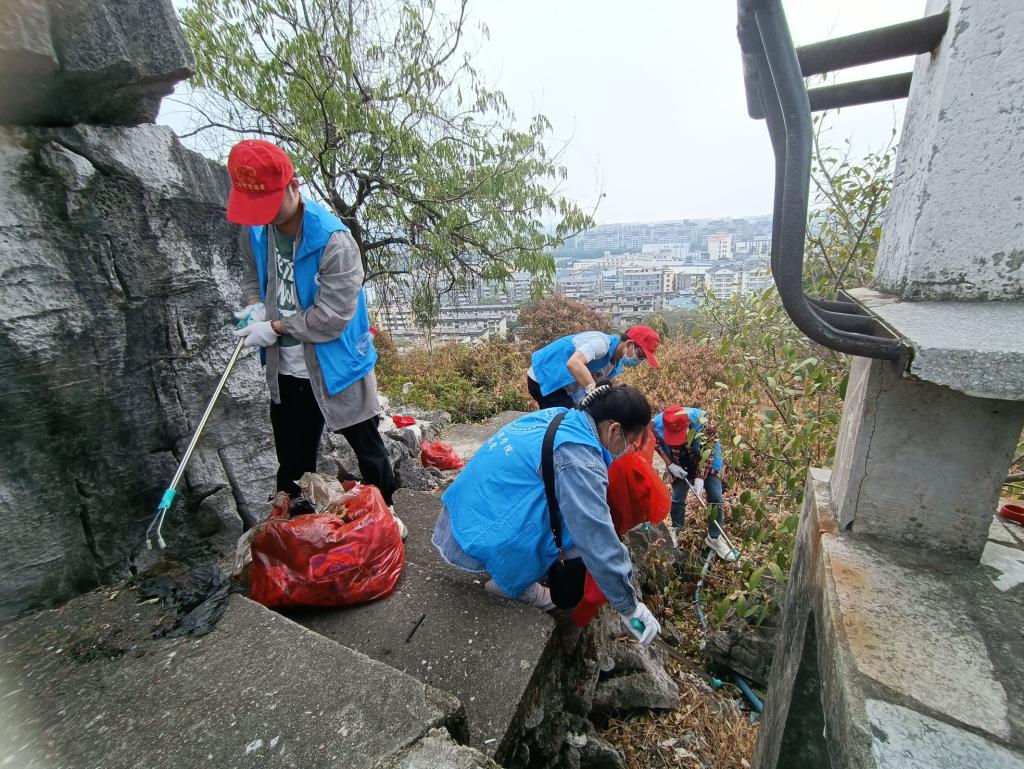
(547, 471)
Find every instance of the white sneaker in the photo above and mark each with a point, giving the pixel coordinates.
(535, 595)
(722, 550)
(402, 531)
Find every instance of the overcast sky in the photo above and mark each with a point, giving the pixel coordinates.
(649, 98)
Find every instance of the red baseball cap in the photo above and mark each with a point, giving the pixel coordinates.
(259, 172)
(675, 423)
(647, 339)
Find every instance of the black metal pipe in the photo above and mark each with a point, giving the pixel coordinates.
(843, 321)
(837, 305)
(906, 39)
(887, 88)
(794, 108)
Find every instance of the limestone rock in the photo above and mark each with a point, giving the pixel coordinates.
(410, 474)
(114, 328)
(637, 678)
(742, 647)
(597, 753)
(92, 61)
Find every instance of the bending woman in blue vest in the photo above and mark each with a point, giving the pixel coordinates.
(304, 307)
(682, 436)
(495, 516)
(565, 371)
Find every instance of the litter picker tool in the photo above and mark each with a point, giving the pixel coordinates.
(153, 532)
(721, 531)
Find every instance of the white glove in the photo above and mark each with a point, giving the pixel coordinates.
(259, 334)
(698, 486)
(251, 313)
(642, 624)
(676, 471)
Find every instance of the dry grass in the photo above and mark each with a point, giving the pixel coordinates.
(708, 731)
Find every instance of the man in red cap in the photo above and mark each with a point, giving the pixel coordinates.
(682, 435)
(304, 307)
(565, 371)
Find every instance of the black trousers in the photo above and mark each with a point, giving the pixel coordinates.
(298, 425)
(558, 398)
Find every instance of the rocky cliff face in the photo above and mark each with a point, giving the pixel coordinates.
(117, 276)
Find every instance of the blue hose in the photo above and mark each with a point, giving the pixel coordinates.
(741, 682)
(700, 587)
(755, 701)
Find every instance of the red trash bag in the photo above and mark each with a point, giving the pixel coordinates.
(401, 421)
(440, 455)
(635, 495)
(328, 560)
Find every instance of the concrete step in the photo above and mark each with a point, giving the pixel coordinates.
(452, 635)
(85, 686)
(419, 511)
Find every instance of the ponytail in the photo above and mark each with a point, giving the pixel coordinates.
(619, 403)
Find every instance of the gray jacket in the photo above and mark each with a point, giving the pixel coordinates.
(339, 279)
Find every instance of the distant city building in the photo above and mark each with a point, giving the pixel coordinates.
(720, 246)
(684, 234)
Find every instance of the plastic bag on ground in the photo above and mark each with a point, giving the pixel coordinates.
(325, 560)
(635, 495)
(327, 494)
(440, 455)
(401, 421)
(197, 592)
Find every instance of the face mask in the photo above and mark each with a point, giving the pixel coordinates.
(629, 361)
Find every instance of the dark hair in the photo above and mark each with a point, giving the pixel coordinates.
(620, 403)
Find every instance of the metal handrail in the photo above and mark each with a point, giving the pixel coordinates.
(773, 79)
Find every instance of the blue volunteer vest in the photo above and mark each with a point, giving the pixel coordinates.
(549, 363)
(498, 510)
(351, 356)
(697, 419)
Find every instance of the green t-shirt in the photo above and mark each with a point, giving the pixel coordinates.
(287, 302)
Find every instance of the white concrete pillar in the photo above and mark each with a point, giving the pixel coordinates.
(955, 226)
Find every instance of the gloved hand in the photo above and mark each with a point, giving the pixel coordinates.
(642, 624)
(676, 471)
(251, 313)
(698, 486)
(259, 334)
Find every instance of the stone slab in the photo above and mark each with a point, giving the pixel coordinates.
(419, 511)
(482, 649)
(85, 686)
(467, 438)
(437, 750)
(910, 740)
(976, 348)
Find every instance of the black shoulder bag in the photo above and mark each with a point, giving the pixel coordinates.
(565, 577)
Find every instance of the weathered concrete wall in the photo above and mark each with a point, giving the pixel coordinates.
(919, 463)
(118, 276)
(953, 226)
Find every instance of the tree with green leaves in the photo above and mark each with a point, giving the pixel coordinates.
(426, 309)
(389, 124)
